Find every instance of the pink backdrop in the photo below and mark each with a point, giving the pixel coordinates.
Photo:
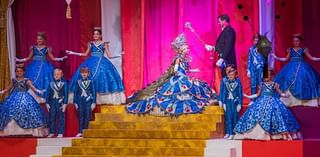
(164, 20)
(161, 21)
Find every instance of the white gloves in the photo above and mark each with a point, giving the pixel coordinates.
(278, 58)
(194, 70)
(224, 107)
(76, 106)
(284, 95)
(93, 106)
(238, 107)
(220, 62)
(1, 92)
(64, 107)
(40, 91)
(209, 47)
(315, 59)
(248, 74)
(48, 107)
(220, 103)
(21, 60)
(250, 96)
(61, 59)
(73, 53)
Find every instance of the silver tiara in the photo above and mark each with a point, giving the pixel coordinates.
(179, 41)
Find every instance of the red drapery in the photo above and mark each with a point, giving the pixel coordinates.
(290, 22)
(49, 16)
(132, 28)
(160, 21)
(34, 16)
(311, 25)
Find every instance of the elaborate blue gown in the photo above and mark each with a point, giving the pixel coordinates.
(40, 71)
(174, 93)
(21, 108)
(105, 76)
(299, 77)
(269, 113)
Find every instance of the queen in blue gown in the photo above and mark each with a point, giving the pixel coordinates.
(174, 93)
(40, 70)
(267, 117)
(20, 114)
(298, 78)
(108, 83)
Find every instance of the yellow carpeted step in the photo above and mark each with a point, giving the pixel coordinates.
(147, 134)
(155, 126)
(118, 117)
(122, 109)
(116, 133)
(159, 151)
(138, 142)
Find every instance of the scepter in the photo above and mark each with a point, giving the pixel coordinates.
(192, 30)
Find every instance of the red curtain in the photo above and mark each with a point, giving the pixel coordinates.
(237, 10)
(49, 16)
(132, 28)
(289, 21)
(34, 16)
(311, 25)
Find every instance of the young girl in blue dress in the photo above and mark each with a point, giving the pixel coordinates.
(20, 114)
(174, 93)
(40, 70)
(267, 118)
(108, 83)
(298, 79)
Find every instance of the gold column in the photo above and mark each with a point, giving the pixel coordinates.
(4, 60)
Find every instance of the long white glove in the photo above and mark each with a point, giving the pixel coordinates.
(224, 107)
(278, 58)
(194, 70)
(48, 107)
(209, 47)
(40, 91)
(250, 96)
(315, 59)
(93, 106)
(64, 107)
(248, 74)
(1, 92)
(176, 66)
(21, 60)
(220, 62)
(61, 59)
(220, 104)
(238, 107)
(76, 106)
(73, 53)
(284, 95)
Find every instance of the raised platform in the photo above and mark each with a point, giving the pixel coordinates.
(23, 147)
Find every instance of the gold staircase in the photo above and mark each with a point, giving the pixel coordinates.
(117, 133)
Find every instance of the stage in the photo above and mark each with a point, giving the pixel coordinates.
(117, 133)
(23, 147)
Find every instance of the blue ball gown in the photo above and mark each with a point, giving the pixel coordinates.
(39, 71)
(174, 93)
(20, 114)
(267, 117)
(300, 80)
(107, 81)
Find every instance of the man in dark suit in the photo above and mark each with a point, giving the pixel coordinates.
(225, 44)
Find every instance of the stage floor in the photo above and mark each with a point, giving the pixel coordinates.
(23, 147)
